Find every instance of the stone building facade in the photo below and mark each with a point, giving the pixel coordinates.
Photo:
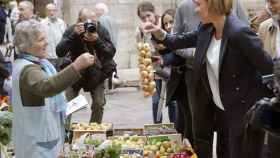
(124, 12)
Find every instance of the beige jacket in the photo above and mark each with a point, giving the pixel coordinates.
(267, 32)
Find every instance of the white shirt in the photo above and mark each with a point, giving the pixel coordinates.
(8, 38)
(278, 42)
(54, 32)
(213, 55)
(14, 15)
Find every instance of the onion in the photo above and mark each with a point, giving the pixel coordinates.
(147, 61)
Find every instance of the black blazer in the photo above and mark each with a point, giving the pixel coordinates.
(242, 62)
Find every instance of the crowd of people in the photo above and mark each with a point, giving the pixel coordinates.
(207, 54)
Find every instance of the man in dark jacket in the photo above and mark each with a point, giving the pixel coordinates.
(4, 74)
(80, 38)
(3, 17)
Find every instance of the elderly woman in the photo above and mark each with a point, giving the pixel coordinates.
(228, 62)
(39, 102)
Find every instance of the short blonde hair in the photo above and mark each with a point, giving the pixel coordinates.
(221, 7)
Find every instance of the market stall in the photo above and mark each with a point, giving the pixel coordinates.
(103, 141)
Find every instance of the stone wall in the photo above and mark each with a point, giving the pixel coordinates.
(124, 12)
(253, 6)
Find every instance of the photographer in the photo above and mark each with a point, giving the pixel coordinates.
(87, 35)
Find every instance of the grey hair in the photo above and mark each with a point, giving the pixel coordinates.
(26, 33)
(103, 7)
(50, 5)
(28, 4)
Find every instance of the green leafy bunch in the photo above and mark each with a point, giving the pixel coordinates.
(5, 127)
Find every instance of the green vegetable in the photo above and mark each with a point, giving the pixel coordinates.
(155, 140)
(112, 151)
(94, 142)
(5, 127)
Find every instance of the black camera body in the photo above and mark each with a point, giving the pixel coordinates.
(90, 26)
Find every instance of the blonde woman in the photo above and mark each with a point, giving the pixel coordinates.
(229, 61)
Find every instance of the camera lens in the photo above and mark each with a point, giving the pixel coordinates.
(90, 26)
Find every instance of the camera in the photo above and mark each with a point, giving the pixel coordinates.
(90, 26)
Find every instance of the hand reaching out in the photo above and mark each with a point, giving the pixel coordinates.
(148, 27)
(83, 61)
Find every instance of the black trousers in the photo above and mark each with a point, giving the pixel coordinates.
(230, 137)
(2, 32)
(273, 146)
(183, 117)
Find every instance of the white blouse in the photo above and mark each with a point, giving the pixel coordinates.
(213, 55)
(278, 42)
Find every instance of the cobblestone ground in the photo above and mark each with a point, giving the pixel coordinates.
(125, 107)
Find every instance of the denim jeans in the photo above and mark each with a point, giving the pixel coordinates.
(171, 105)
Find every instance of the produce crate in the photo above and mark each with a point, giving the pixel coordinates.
(159, 129)
(77, 133)
(129, 131)
(126, 137)
(171, 137)
(132, 153)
